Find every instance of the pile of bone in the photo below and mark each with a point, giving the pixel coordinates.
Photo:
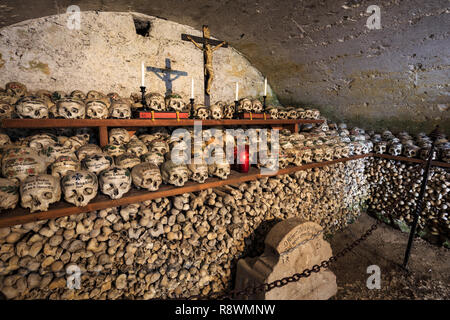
(17, 101)
(394, 194)
(176, 246)
(404, 144)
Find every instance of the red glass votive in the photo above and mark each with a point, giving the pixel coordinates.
(242, 159)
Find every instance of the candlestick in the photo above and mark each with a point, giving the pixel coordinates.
(143, 101)
(236, 104)
(142, 75)
(264, 103)
(237, 91)
(265, 86)
(191, 114)
(192, 89)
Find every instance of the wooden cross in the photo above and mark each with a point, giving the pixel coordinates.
(166, 75)
(209, 46)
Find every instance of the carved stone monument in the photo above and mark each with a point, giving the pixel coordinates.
(291, 246)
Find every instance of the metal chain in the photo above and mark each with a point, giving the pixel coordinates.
(266, 287)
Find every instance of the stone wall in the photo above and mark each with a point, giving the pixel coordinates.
(105, 54)
(177, 246)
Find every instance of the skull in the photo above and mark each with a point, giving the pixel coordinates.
(410, 150)
(174, 102)
(282, 113)
(38, 192)
(201, 112)
(147, 175)
(97, 162)
(306, 154)
(63, 165)
(79, 187)
(318, 153)
(220, 167)
(291, 113)
(136, 146)
(216, 110)
(77, 141)
(147, 138)
(114, 150)
(6, 110)
(42, 141)
(9, 193)
(16, 89)
(71, 108)
(328, 153)
(257, 106)
(155, 158)
(229, 110)
(345, 150)
(245, 105)
(4, 139)
(97, 109)
(175, 174)
(94, 95)
(380, 147)
(273, 111)
(395, 149)
(113, 96)
(155, 101)
(284, 159)
(127, 160)
(58, 95)
(199, 172)
(32, 108)
(120, 110)
(19, 166)
(445, 155)
(115, 182)
(78, 94)
(159, 146)
(425, 152)
(118, 136)
(87, 150)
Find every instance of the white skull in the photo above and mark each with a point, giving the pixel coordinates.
(380, 147)
(78, 94)
(97, 109)
(318, 153)
(115, 182)
(9, 193)
(114, 150)
(79, 187)
(136, 146)
(257, 106)
(52, 152)
(147, 138)
(71, 108)
(87, 150)
(119, 136)
(291, 113)
(155, 101)
(16, 89)
(120, 110)
(245, 105)
(147, 175)
(201, 112)
(160, 146)
(97, 162)
(216, 110)
(4, 139)
(282, 113)
(229, 110)
(175, 102)
(6, 110)
(273, 111)
(220, 167)
(411, 150)
(306, 154)
(127, 160)
(21, 165)
(32, 108)
(77, 141)
(153, 157)
(63, 165)
(42, 141)
(38, 192)
(175, 174)
(199, 172)
(395, 149)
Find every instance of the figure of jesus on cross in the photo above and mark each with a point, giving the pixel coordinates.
(208, 50)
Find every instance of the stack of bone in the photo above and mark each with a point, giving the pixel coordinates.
(177, 246)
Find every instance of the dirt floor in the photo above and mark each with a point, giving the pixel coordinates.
(428, 275)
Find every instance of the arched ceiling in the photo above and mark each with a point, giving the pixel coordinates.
(319, 52)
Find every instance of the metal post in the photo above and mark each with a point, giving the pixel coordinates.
(143, 101)
(434, 135)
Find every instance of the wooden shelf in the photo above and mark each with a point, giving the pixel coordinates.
(61, 209)
(104, 124)
(414, 160)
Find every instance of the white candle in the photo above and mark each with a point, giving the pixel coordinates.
(192, 89)
(142, 74)
(237, 91)
(265, 86)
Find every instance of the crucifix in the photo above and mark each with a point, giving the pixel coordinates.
(208, 48)
(166, 75)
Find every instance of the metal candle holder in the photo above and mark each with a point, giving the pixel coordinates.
(264, 102)
(236, 104)
(191, 113)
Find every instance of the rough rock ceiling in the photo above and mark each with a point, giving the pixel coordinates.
(319, 52)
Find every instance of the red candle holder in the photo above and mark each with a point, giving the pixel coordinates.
(242, 160)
